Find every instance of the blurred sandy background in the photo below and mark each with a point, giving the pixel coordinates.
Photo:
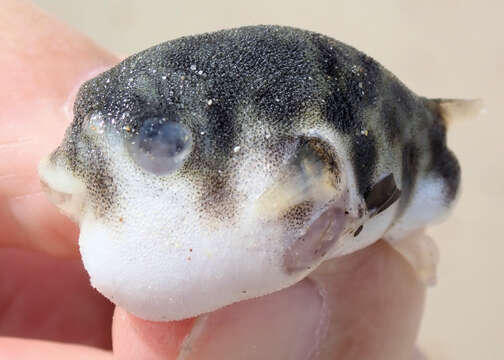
(438, 48)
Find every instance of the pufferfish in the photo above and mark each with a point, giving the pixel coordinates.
(220, 167)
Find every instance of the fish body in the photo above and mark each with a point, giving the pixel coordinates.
(220, 167)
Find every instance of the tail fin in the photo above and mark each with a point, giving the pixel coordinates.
(452, 110)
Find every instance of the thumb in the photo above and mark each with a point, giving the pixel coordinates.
(361, 306)
(42, 62)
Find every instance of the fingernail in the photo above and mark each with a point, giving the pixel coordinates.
(284, 325)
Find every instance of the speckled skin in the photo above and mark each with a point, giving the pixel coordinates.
(278, 74)
(290, 93)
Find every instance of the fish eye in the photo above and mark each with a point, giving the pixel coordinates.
(160, 145)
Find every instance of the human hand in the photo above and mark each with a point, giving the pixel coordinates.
(366, 305)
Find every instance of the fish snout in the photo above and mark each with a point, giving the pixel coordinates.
(62, 188)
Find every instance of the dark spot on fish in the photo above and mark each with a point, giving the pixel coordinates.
(382, 195)
(223, 127)
(410, 171)
(443, 163)
(358, 231)
(353, 80)
(364, 160)
(217, 196)
(402, 96)
(391, 120)
(86, 161)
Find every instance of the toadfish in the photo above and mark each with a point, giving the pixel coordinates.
(225, 166)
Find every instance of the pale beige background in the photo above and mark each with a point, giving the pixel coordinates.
(438, 48)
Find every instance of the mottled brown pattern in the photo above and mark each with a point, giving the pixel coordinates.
(296, 216)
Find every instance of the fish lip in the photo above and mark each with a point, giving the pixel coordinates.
(56, 197)
(62, 189)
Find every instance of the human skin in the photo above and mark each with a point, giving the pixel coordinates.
(361, 306)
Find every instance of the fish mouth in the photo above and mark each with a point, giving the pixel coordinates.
(62, 189)
(56, 197)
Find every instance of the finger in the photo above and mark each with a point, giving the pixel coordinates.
(42, 62)
(381, 317)
(148, 340)
(49, 298)
(21, 349)
(363, 306)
